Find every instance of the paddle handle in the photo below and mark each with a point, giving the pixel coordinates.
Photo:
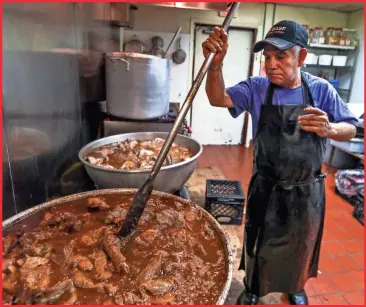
(189, 99)
(141, 197)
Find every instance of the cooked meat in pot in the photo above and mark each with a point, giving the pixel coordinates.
(136, 154)
(174, 257)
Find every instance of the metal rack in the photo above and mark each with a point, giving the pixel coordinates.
(350, 69)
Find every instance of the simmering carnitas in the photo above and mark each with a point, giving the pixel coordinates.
(136, 154)
(75, 257)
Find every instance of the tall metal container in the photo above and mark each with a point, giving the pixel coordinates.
(138, 85)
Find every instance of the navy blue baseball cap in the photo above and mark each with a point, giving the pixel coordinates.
(284, 35)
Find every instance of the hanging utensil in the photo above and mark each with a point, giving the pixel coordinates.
(173, 39)
(144, 192)
(135, 45)
(179, 55)
(157, 45)
(157, 41)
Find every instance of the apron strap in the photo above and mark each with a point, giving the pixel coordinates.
(269, 96)
(306, 95)
(291, 184)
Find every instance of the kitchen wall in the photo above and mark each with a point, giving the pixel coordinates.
(311, 16)
(52, 79)
(356, 21)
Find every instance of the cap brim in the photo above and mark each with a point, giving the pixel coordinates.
(278, 43)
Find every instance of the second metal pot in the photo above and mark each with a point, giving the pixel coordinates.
(138, 85)
(170, 178)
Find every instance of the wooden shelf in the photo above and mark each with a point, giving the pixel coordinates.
(335, 47)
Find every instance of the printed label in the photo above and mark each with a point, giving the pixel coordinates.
(277, 30)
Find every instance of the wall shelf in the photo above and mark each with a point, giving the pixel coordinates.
(326, 66)
(337, 71)
(335, 47)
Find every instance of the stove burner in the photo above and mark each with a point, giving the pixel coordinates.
(170, 117)
(113, 125)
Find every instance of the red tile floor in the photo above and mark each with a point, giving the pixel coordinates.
(341, 277)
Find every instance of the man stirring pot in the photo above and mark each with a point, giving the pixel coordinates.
(293, 113)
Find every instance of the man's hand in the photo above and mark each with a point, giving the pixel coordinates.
(216, 42)
(215, 86)
(317, 121)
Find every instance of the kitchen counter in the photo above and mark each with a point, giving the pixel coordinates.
(346, 147)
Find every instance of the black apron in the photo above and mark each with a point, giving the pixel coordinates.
(286, 201)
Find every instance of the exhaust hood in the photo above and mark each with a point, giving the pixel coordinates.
(207, 6)
(121, 13)
(117, 13)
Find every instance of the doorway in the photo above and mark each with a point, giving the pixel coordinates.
(211, 125)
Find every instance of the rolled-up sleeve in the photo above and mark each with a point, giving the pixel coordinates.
(336, 109)
(241, 95)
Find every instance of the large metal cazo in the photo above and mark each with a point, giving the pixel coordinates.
(142, 195)
(28, 219)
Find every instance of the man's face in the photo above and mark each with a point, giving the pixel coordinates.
(281, 66)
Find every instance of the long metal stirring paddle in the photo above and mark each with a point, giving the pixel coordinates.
(141, 197)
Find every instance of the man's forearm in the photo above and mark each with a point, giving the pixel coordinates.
(215, 88)
(342, 132)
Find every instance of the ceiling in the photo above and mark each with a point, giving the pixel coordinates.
(335, 6)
